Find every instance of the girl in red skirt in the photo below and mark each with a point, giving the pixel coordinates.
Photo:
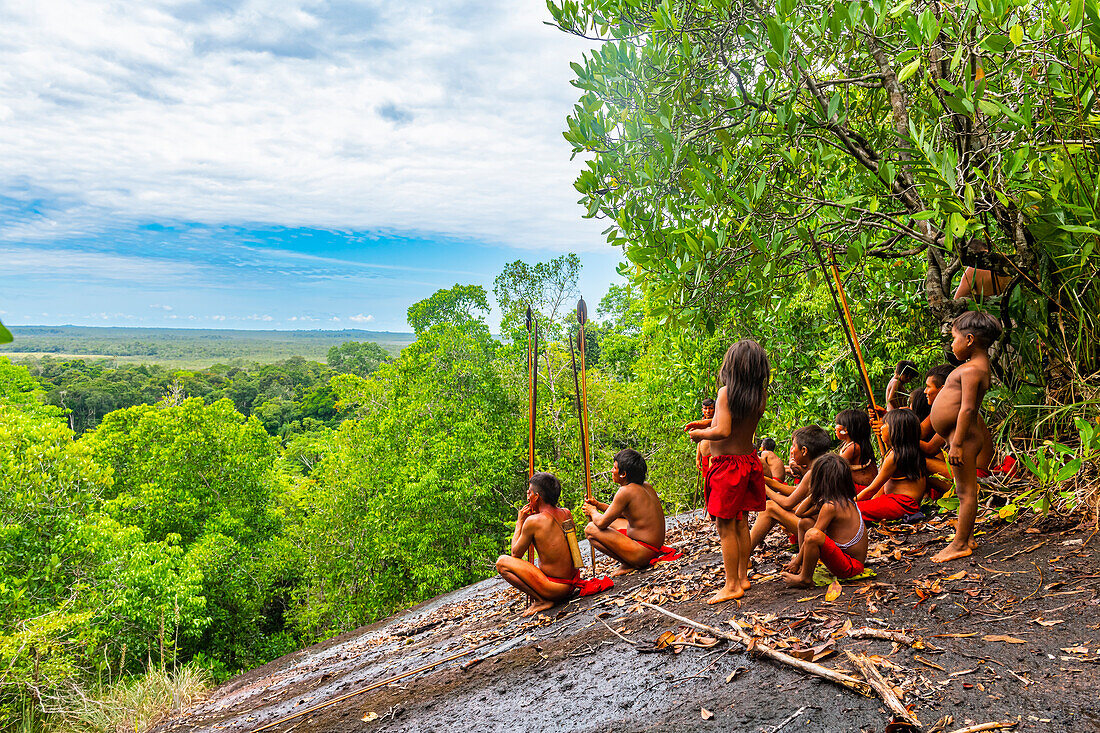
(735, 479)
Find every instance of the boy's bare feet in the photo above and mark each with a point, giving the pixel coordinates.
(794, 565)
(537, 607)
(622, 570)
(745, 584)
(794, 580)
(726, 594)
(951, 552)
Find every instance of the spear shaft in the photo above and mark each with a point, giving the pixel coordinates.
(582, 318)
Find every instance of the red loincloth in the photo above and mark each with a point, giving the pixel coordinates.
(839, 562)
(735, 485)
(584, 587)
(664, 553)
(887, 507)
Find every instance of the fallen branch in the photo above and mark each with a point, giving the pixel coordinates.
(868, 633)
(616, 633)
(882, 687)
(753, 644)
(986, 726)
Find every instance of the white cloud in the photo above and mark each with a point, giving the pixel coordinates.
(161, 307)
(361, 318)
(217, 318)
(440, 116)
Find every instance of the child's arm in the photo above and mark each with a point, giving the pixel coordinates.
(805, 508)
(969, 384)
(721, 425)
(610, 512)
(777, 486)
(825, 518)
(933, 445)
(800, 492)
(885, 471)
(696, 425)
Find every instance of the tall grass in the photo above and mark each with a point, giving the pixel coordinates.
(136, 705)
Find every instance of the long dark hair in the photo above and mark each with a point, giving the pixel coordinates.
(858, 426)
(918, 403)
(831, 480)
(745, 372)
(905, 442)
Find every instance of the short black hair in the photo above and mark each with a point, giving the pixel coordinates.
(632, 465)
(708, 402)
(547, 486)
(767, 444)
(939, 374)
(812, 439)
(983, 327)
(906, 369)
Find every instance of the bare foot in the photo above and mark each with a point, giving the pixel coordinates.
(745, 584)
(951, 552)
(794, 580)
(726, 594)
(622, 570)
(794, 565)
(973, 545)
(538, 607)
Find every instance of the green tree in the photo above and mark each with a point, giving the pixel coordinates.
(460, 306)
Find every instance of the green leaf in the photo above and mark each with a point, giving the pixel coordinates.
(5, 335)
(909, 70)
(1079, 229)
(1016, 34)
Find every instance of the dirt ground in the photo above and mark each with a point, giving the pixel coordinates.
(1009, 634)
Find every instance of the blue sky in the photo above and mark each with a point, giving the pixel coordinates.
(279, 164)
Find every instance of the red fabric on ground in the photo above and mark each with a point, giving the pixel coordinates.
(839, 562)
(982, 473)
(735, 485)
(664, 553)
(887, 507)
(585, 587)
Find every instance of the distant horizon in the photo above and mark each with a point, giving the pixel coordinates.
(17, 327)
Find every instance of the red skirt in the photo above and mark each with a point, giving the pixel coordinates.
(887, 507)
(735, 485)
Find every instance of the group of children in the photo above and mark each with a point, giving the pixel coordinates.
(831, 496)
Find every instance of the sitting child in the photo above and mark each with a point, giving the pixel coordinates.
(853, 430)
(773, 464)
(828, 514)
(806, 445)
(539, 524)
(631, 528)
(904, 372)
(899, 487)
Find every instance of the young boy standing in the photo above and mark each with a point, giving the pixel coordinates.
(957, 418)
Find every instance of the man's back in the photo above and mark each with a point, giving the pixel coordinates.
(644, 513)
(550, 543)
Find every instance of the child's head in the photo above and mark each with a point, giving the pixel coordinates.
(918, 403)
(766, 444)
(745, 372)
(856, 427)
(901, 431)
(546, 486)
(905, 370)
(973, 330)
(831, 481)
(935, 379)
(808, 443)
(630, 467)
(708, 408)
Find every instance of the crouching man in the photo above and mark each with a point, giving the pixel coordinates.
(631, 529)
(540, 524)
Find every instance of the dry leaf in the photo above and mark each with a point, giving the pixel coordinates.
(1041, 622)
(370, 716)
(707, 715)
(957, 576)
(1076, 650)
(834, 591)
(1002, 637)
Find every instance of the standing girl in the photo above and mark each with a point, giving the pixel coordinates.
(735, 479)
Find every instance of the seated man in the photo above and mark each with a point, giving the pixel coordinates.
(631, 528)
(806, 445)
(539, 523)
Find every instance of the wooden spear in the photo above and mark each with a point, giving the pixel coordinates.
(582, 318)
(580, 422)
(841, 303)
(532, 398)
